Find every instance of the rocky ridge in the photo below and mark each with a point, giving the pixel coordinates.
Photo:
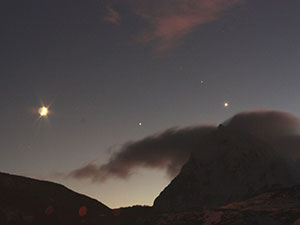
(228, 166)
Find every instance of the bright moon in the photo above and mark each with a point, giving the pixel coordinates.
(43, 111)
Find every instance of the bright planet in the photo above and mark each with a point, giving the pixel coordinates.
(43, 111)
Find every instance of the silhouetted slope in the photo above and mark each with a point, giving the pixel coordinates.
(277, 207)
(26, 200)
(228, 167)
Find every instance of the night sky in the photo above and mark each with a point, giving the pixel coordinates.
(120, 70)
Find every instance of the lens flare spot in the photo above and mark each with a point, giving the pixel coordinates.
(83, 211)
(49, 210)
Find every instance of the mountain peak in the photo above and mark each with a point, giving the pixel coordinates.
(228, 166)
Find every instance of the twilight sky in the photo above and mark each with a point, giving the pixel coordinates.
(104, 66)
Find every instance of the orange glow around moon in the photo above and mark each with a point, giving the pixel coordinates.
(43, 111)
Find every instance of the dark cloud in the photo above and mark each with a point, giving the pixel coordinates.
(170, 20)
(278, 129)
(170, 149)
(167, 150)
(265, 124)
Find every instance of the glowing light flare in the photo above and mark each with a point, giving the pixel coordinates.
(43, 111)
(226, 104)
(49, 210)
(82, 211)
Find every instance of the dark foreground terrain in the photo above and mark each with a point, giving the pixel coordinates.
(29, 201)
(278, 207)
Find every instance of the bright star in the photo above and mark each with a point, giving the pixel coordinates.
(43, 111)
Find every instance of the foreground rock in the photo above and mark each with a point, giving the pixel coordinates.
(29, 201)
(229, 166)
(279, 207)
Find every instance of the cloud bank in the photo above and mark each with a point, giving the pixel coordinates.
(265, 124)
(278, 129)
(169, 150)
(168, 21)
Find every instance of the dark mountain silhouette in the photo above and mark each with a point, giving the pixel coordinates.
(277, 207)
(29, 201)
(229, 166)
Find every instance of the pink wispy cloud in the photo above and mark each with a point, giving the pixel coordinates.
(169, 21)
(112, 16)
